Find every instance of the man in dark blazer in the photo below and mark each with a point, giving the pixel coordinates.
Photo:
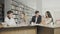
(37, 18)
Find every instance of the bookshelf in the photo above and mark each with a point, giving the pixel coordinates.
(1, 12)
(18, 7)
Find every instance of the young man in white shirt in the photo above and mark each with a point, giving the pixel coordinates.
(9, 20)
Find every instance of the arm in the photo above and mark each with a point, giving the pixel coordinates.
(43, 21)
(32, 20)
(6, 21)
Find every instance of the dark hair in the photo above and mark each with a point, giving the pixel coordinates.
(9, 12)
(49, 14)
(36, 12)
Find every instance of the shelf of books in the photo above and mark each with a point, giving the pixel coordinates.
(18, 7)
(1, 12)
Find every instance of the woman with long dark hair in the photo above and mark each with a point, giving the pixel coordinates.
(48, 18)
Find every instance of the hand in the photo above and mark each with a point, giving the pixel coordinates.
(32, 23)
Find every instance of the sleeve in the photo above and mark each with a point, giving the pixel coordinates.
(6, 21)
(14, 23)
(49, 21)
(32, 20)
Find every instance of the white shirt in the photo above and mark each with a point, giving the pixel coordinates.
(48, 20)
(10, 22)
(35, 19)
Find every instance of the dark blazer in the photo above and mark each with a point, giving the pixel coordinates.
(39, 19)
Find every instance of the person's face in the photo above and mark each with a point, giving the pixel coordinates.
(22, 15)
(10, 15)
(46, 15)
(37, 14)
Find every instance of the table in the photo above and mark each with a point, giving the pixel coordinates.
(31, 29)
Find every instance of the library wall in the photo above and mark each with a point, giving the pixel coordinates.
(39, 6)
(53, 6)
(35, 4)
(30, 3)
(1, 10)
(7, 6)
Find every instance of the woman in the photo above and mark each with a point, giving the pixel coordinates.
(23, 19)
(48, 18)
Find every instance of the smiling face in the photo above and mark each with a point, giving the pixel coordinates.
(46, 15)
(10, 15)
(22, 15)
(37, 14)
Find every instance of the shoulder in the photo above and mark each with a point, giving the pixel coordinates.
(40, 16)
(12, 18)
(50, 18)
(6, 17)
(33, 16)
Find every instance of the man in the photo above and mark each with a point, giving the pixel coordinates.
(37, 18)
(9, 20)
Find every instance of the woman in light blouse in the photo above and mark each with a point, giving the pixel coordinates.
(47, 20)
(23, 19)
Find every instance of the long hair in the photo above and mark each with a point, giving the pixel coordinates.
(49, 14)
